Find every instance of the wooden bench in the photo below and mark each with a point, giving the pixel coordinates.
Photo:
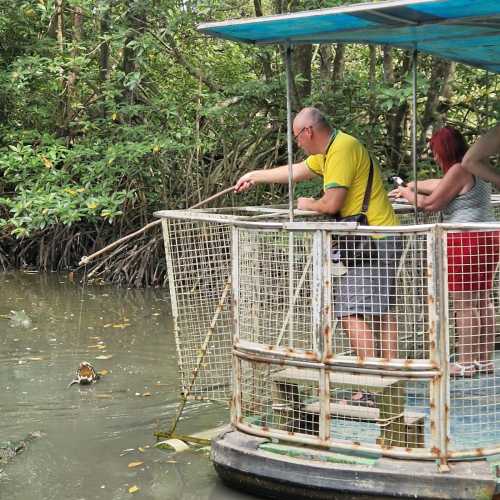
(405, 429)
(398, 427)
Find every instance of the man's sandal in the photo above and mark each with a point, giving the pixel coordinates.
(363, 398)
(486, 367)
(463, 370)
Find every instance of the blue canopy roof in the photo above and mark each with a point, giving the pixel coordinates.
(466, 31)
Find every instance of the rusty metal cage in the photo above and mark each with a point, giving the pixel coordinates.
(332, 335)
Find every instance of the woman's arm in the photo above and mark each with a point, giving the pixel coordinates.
(446, 190)
(426, 186)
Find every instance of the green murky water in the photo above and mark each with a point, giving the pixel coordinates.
(92, 434)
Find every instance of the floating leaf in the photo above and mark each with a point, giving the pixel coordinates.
(107, 325)
(103, 372)
(133, 489)
(141, 449)
(103, 395)
(146, 394)
(19, 318)
(121, 325)
(102, 356)
(131, 465)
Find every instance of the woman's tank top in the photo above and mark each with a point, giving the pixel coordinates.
(472, 206)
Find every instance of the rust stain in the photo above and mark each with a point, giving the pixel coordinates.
(326, 331)
(435, 451)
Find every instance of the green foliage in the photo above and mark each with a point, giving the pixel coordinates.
(174, 116)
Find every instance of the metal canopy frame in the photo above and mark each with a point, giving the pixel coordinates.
(396, 16)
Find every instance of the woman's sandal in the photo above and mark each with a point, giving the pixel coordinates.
(463, 370)
(486, 367)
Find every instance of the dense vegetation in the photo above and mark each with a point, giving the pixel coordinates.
(112, 109)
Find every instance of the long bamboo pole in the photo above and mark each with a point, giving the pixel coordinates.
(85, 260)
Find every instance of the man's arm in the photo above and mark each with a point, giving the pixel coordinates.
(330, 203)
(278, 175)
(476, 160)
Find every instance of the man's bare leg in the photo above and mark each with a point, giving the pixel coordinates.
(360, 335)
(388, 336)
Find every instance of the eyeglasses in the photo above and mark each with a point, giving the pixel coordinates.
(300, 131)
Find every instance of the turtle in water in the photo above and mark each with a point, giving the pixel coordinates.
(85, 374)
(9, 449)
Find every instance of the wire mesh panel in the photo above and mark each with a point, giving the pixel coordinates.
(199, 263)
(275, 288)
(379, 410)
(472, 259)
(374, 410)
(380, 295)
(273, 401)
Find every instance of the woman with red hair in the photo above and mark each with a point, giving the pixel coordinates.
(472, 255)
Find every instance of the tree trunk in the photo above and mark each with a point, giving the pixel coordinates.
(136, 21)
(325, 66)
(396, 116)
(301, 65)
(73, 74)
(263, 55)
(59, 33)
(442, 72)
(104, 27)
(372, 115)
(339, 63)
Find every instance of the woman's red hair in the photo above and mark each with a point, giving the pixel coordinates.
(449, 144)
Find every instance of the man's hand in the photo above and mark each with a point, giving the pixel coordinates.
(304, 203)
(245, 182)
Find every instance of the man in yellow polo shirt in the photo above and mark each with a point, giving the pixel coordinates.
(365, 292)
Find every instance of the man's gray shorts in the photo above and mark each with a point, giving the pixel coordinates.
(370, 288)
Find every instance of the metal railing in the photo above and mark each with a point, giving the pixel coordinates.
(376, 339)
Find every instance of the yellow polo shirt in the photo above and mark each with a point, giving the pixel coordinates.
(346, 164)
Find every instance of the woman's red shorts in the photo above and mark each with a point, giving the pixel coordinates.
(472, 260)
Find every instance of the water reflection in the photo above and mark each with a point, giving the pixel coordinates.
(128, 333)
